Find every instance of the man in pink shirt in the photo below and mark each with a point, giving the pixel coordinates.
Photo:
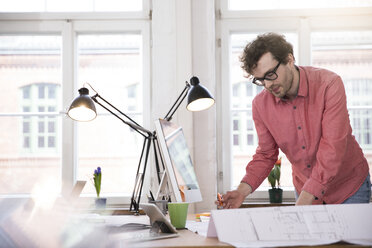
(303, 112)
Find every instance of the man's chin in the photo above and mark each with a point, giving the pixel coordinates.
(278, 95)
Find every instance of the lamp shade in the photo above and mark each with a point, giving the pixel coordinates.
(82, 107)
(198, 98)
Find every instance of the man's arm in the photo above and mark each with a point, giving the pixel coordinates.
(333, 142)
(235, 198)
(305, 198)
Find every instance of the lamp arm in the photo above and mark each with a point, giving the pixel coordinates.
(177, 103)
(134, 125)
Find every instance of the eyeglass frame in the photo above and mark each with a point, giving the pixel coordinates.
(273, 71)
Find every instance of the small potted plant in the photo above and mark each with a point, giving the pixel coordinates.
(97, 178)
(275, 193)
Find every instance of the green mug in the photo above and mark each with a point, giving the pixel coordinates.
(178, 213)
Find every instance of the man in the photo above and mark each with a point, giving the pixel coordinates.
(303, 112)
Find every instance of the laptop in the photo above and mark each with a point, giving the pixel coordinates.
(76, 190)
(159, 228)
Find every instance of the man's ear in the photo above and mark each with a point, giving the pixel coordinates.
(291, 59)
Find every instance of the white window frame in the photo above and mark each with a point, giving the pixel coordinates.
(302, 22)
(68, 25)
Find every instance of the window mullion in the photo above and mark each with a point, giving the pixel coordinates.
(69, 142)
(304, 36)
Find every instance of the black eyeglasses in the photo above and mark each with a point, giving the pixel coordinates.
(270, 75)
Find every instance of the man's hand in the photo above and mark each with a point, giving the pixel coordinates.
(235, 198)
(305, 198)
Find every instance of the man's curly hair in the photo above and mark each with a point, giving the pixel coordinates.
(268, 42)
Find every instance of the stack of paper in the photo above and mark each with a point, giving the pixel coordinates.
(292, 226)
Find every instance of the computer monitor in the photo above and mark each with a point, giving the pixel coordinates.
(179, 167)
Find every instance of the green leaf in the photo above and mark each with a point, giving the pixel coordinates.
(271, 179)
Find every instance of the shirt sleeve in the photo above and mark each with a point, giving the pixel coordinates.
(266, 154)
(333, 141)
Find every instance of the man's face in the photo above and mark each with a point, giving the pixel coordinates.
(279, 87)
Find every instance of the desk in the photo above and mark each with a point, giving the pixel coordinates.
(185, 240)
(189, 239)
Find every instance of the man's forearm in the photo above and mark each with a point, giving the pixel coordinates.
(305, 198)
(244, 189)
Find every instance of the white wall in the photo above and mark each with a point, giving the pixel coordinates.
(183, 45)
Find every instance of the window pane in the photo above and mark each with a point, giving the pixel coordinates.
(349, 54)
(235, 125)
(69, 5)
(112, 65)
(51, 92)
(22, 5)
(26, 142)
(250, 125)
(26, 61)
(249, 139)
(118, 5)
(41, 127)
(26, 93)
(26, 127)
(41, 141)
(242, 112)
(41, 91)
(295, 4)
(236, 140)
(51, 141)
(249, 89)
(51, 127)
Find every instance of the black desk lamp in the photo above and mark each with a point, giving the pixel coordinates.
(82, 108)
(198, 98)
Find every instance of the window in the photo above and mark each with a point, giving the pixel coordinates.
(291, 4)
(69, 6)
(30, 145)
(242, 109)
(112, 66)
(133, 102)
(340, 40)
(44, 136)
(349, 53)
(39, 77)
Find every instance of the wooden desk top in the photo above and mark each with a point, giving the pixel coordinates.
(187, 239)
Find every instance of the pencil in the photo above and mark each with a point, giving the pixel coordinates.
(219, 198)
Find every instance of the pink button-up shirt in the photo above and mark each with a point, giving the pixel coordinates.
(314, 132)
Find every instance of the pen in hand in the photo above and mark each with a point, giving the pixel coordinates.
(219, 199)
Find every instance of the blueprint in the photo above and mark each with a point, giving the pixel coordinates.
(293, 225)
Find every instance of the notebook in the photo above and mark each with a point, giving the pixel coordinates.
(159, 228)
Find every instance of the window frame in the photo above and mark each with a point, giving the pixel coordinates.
(302, 22)
(69, 25)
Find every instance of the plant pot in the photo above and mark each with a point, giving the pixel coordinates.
(100, 203)
(276, 195)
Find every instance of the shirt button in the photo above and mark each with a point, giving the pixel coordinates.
(299, 127)
(303, 147)
(308, 166)
(322, 192)
(294, 107)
